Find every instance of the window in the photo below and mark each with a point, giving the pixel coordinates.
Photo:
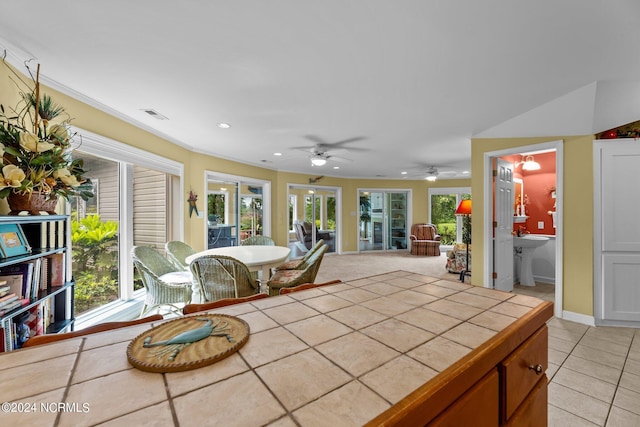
(137, 202)
(442, 207)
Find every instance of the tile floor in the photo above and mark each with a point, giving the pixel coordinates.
(594, 373)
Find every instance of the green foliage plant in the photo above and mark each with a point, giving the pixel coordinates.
(95, 261)
(36, 148)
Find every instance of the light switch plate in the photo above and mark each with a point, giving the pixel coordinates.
(540, 225)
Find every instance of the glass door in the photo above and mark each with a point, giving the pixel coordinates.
(251, 210)
(222, 214)
(383, 220)
(396, 221)
(312, 216)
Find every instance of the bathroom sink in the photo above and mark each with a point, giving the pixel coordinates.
(525, 246)
(529, 241)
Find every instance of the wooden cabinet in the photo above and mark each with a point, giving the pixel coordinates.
(48, 302)
(479, 404)
(521, 371)
(500, 383)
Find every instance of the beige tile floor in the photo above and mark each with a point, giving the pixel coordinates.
(594, 373)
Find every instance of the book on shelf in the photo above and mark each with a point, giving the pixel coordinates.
(55, 270)
(7, 299)
(35, 321)
(15, 281)
(13, 306)
(34, 284)
(4, 288)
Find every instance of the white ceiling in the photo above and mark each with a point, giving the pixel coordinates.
(415, 80)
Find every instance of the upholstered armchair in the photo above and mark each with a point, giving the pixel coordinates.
(457, 258)
(304, 233)
(425, 240)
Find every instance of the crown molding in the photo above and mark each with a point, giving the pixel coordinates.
(18, 58)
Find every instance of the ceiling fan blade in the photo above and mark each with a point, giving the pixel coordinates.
(345, 141)
(338, 152)
(340, 159)
(316, 139)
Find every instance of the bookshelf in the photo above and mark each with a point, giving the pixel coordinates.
(47, 292)
(397, 221)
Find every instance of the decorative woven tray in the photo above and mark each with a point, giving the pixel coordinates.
(187, 343)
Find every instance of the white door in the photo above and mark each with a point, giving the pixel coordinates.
(617, 292)
(503, 225)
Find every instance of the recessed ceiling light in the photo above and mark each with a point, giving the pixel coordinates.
(277, 154)
(224, 125)
(336, 167)
(403, 173)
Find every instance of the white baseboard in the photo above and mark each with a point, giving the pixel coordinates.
(578, 318)
(542, 279)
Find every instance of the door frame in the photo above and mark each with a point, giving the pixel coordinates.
(408, 222)
(239, 180)
(338, 195)
(487, 173)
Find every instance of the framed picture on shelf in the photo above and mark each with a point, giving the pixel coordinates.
(12, 241)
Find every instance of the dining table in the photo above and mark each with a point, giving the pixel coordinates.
(393, 349)
(260, 258)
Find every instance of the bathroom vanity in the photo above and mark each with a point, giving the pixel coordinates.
(534, 259)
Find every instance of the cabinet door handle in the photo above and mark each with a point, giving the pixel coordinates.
(537, 368)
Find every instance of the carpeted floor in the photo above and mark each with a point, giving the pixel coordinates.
(355, 266)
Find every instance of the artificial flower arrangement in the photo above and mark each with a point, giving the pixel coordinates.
(35, 148)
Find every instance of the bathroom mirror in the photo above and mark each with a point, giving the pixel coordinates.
(519, 210)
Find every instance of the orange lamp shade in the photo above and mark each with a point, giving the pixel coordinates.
(464, 208)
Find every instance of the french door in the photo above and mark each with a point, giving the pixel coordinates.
(384, 220)
(317, 208)
(237, 208)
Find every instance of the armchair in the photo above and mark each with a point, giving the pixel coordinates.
(305, 235)
(306, 273)
(457, 259)
(219, 276)
(425, 240)
(177, 251)
(165, 283)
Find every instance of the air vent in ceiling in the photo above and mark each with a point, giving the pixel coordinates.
(155, 114)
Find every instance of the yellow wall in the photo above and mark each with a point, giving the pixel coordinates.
(578, 214)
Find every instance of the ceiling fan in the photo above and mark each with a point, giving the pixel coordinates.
(322, 151)
(433, 173)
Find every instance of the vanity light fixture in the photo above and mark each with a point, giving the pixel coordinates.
(528, 164)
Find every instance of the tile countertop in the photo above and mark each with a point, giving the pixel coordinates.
(338, 355)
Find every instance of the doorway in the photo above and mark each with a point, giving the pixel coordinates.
(236, 208)
(491, 262)
(384, 219)
(314, 213)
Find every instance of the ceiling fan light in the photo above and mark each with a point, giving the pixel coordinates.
(318, 161)
(431, 178)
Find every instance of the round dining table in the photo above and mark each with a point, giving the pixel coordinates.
(260, 258)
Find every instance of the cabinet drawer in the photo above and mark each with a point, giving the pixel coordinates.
(534, 409)
(521, 370)
(479, 405)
